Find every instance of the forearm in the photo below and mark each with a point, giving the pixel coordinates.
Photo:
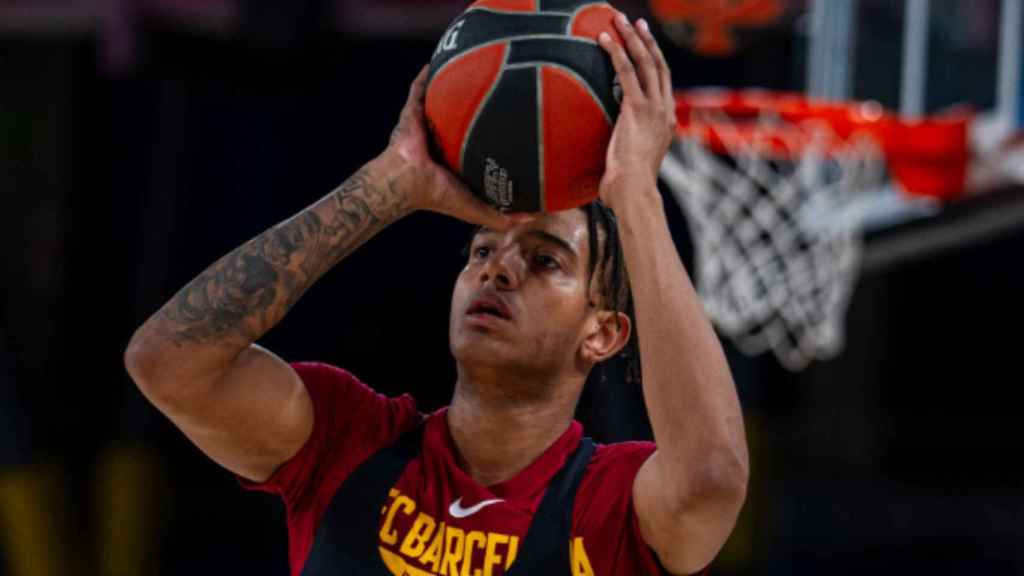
(688, 389)
(245, 293)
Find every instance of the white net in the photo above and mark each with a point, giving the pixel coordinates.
(777, 235)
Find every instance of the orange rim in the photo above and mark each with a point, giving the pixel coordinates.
(928, 157)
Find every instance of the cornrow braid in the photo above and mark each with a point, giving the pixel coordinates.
(607, 260)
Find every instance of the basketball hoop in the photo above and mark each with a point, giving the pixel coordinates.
(771, 184)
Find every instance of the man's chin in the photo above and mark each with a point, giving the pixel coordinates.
(472, 333)
(475, 348)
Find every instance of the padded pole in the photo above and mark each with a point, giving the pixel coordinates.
(817, 48)
(914, 84)
(1009, 90)
(844, 24)
(830, 49)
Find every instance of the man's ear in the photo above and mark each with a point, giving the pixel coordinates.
(609, 333)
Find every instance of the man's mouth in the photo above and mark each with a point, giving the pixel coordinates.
(489, 307)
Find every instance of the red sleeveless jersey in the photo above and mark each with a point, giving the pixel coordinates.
(437, 519)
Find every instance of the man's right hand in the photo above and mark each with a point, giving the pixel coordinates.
(429, 185)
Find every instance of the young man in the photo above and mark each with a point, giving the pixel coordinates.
(372, 486)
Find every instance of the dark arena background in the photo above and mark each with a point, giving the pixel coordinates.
(142, 139)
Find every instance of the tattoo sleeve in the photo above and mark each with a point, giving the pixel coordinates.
(245, 293)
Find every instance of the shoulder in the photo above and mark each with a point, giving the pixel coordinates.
(344, 406)
(621, 454)
(351, 421)
(612, 469)
(326, 378)
(606, 489)
(340, 399)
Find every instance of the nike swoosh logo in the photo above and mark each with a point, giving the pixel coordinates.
(457, 511)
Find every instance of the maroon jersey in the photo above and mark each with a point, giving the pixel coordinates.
(437, 519)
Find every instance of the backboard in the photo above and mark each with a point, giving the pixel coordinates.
(914, 57)
(923, 58)
(920, 60)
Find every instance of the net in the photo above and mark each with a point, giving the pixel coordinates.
(769, 185)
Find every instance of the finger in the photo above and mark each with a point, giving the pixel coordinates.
(469, 208)
(476, 211)
(639, 55)
(664, 72)
(623, 67)
(522, 217)
(418, 88)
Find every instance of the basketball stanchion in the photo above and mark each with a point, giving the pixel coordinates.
(774, 188)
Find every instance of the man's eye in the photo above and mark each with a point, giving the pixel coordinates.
(545, 261)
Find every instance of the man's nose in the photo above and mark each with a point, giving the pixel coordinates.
(504, 268)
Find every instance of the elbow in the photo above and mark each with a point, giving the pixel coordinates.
(723, 477)
(724, 472)
(138, 358)
(696, 520)
(728, 474)
(731, 477)
(143, 359)
(156, 368)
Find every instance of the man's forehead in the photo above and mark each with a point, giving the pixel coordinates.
(568, 225)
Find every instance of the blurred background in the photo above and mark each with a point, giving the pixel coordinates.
(142, 139)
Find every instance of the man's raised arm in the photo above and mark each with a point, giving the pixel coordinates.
(196, 360)
(689, 493)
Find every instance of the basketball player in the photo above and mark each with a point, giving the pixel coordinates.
(501, 481)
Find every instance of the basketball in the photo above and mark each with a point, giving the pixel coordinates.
(521, 101)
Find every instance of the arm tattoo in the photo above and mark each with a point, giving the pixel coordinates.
(242, 295)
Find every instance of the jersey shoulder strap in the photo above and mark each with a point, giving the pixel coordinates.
(346, 537)
(545, 548)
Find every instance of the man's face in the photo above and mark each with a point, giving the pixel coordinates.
(522, 300)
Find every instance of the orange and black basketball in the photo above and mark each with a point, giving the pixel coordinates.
(521, 101)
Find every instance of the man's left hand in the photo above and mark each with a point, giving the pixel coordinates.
(647, 119)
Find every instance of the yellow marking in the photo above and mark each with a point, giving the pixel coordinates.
(491, 556)
(391, 495)
(398, 566)
(445, 550)
(393, 562)
(513, 548)
(578, 558)
(432, 557)
(475, 539)
(387, 535)
(416, 540)
(453, 539)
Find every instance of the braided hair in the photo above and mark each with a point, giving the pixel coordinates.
(608, 262)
